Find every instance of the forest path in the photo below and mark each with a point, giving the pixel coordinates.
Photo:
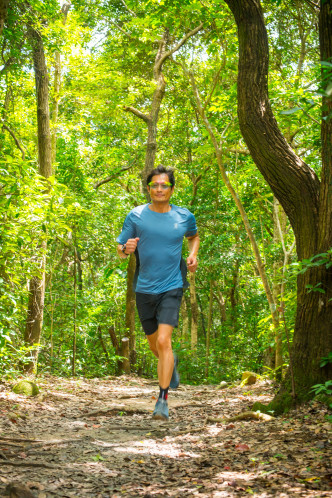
(96, 438)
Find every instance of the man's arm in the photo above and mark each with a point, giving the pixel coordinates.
(193, 251)
(130, 247)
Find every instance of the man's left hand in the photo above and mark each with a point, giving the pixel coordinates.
(192, 263)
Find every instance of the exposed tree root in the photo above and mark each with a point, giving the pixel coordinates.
(242, 416)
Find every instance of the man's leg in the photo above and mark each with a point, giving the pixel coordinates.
(161, 345)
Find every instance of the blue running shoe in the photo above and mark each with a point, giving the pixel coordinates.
(161, 410)
(175, 380)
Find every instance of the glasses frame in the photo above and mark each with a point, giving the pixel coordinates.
(163, 185)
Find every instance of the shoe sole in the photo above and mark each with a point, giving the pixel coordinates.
(158, 416)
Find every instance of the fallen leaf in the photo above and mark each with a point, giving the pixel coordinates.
(242, 447)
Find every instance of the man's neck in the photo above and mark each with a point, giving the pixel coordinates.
(160, 207)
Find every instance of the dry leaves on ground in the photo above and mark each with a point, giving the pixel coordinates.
(95, 438)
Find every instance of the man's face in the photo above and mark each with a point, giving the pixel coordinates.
(157, 190)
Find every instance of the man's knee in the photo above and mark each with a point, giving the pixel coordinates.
(164, 343)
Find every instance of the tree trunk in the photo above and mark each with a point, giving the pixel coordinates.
(116, 347)
(130, 308)
(194, 311)
(208, 332)
(3, 13)
(125, 353)
(279, 220)
(221, 302)
(306, 200)
(37, 284)
(185, 319)
(151, 119)
(57, 86)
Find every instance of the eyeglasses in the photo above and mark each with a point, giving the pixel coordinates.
(164, 185)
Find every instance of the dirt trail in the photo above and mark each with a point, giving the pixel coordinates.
(95, 438)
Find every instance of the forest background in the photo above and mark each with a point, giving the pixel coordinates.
(93, 94)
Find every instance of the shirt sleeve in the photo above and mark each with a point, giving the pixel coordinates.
(191, 226)
(128, 230)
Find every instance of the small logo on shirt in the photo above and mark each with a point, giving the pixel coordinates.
(176, 225)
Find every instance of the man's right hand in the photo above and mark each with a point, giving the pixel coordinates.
(131, 245)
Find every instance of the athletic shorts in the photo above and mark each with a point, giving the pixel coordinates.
(158, 308)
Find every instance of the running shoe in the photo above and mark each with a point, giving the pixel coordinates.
(175, 380)
(161, 410)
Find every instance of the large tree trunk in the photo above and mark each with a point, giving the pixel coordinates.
(306, 201)
(37, 284)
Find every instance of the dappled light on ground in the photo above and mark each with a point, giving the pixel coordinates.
(96, 438)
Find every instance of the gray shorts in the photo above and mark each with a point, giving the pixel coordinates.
(154, 309)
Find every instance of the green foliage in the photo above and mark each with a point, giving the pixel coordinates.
(326, 360)
(107, 51)
(323, 388)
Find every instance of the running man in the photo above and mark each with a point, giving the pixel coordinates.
(155, 232)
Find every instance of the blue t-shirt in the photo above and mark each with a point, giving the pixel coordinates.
(159, 246)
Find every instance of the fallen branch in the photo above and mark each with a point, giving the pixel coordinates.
(30, 464)
(242, 416)
(126, 409)
(19, 440)
(189, 431)
(44, 444)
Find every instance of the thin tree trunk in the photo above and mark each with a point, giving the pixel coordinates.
(125, 353)
(37, 284)
(276, 284)
(116, 346)
(130, 309)
(238, 203)
(221, 302)
(185, 319)
(208, 332)
(57, 86)
(75, 316)
(194, 311)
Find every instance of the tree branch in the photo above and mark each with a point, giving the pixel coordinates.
(110, 178)
(125, 32)
(129, 10)
(138, 113)
(178, 46)
(313, 5)
(17, 142)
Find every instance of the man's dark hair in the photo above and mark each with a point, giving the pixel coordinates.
(159, 170)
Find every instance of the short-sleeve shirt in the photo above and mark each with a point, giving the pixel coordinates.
(159, 246)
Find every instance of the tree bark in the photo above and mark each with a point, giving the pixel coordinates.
(185, 319)
(221, 302)
(279, 221)
(208, 332)
(194, 312)
(37, 284)
(130, 308)
(116, 347)
(125, 353)
(306, 200)
(3, 13)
